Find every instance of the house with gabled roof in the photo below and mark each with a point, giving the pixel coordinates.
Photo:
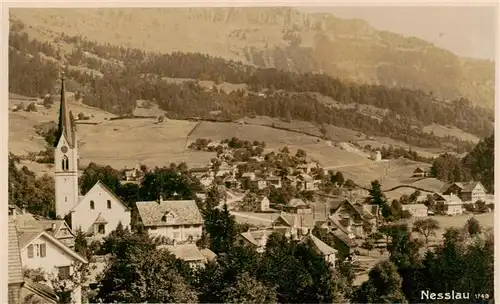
(306, 182)
(297, 205)
(328, 253)
(453, 205)
(57, 228)
(191, 254)
(179, 221)
(466, 191)
(99, 212)
(40, 249)
(274, 181)
(357, 217)
(421, 172)
(256, 239)
(295, 225)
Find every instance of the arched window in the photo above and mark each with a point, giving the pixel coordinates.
(92, 205)
(109, 204)
(65, 163)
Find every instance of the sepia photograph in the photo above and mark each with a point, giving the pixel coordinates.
(258, 154)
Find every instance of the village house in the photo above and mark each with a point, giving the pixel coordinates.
(466, 191)
(297, 205)
(453, 205)
(179, 221)
(256, 239)
(99, 212)
(294, 225)
(345, 243)
(307, 168)
(57, 228)
(39, 249)
(259, 183)
(328, 253)
(225, 169)
(189, 253)
(421, 172)
(201, 172)
(306, 183)
(264, 204)
(274, 181)
(416, 210)
(356, 218)
(207, 181)
(131, 174)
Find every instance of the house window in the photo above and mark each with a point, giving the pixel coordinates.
(109, 204)
(65, 199)
(164, 218)
(64, 273)
(152, 228)
(100, 229)
(37, 251)
(92, 206)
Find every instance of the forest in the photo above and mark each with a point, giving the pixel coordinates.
(113, 78)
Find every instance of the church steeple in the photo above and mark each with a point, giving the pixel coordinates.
(65, 126)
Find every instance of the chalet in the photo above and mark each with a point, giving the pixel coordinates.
(359, 218)
(306, 182)
(416, 210)
(421, 172)
(256, 239)
(189, 253)
(99, 212)
(39, 249)
(328, 253)
(264, 204)
(453, 205)
(274, 181)
(179, 221)
(466, 191)
(294, 225)
(297, 205)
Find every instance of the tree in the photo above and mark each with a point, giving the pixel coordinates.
(138, 272)
(403, 249)
(339, 179)
(221, 228)
(31, 107)
(383, 286)
(480, 206)
(300, 153)
(473, 226)
(249, 290)
(426, 227)
(94, 173)
(377, 198)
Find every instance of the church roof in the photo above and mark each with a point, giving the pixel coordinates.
(186, 211)
(66, 125)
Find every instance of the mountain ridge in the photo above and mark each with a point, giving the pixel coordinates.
(279, 37)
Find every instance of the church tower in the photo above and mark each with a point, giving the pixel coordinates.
(65, 160)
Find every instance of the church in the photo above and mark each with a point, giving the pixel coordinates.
(99, 211)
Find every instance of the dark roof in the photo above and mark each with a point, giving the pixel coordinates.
(186, 212)
(100, 219)
(41, 290)
(15, 265)
(66, 125)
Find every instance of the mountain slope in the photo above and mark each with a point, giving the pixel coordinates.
(278, 37)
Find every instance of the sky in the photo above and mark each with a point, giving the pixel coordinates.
(465, 31)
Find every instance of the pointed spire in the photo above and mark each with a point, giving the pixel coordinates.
(65, 125)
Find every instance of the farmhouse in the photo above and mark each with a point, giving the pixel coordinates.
(466, 191)
(39, 249)
(57, 228)
(306, 182)
(259, 183)
(421, 172)
(416, 210)
(179, 221)
(452, 203)
(297, 205)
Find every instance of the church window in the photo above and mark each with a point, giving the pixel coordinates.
(92, 205)
(65, 199)
(101, 229)
(65, 163)
(109, 204)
